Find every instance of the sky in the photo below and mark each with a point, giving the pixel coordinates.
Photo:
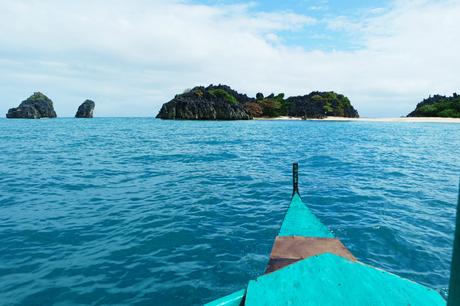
(130, 57)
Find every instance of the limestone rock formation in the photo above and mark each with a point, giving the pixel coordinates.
(86, 109)
(35, 107)
(210, 103)
(321, 104)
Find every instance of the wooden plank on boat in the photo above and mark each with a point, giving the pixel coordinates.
(297, 247)
(289, 249)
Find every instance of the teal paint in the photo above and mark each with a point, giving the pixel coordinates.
(454, 284)
(233, 299)
(300, 221)
(328, 279)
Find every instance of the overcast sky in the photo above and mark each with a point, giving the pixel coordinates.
(132, 56)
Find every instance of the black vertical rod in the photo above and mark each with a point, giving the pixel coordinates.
(454, 285)
(295, 178)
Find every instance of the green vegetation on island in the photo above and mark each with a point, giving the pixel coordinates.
(314, 105)
(222, 102)
(438, 106)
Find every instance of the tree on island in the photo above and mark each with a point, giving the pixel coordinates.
(438, 106)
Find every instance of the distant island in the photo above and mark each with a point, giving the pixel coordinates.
(220, 102)
(39, 106)
(86, 109)
(35, 107)
(438, 106)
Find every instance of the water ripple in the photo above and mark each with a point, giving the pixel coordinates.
(143, 211)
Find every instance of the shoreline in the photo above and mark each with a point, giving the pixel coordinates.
(364, 119)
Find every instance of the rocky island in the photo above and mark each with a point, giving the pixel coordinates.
(35, 107)
(438, 106)
(210, 103)
(220, 102)
(86, 109)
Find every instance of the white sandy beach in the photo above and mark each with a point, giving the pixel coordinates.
(278, 118)
(364, 119)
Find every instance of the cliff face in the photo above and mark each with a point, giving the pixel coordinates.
(438, 106)
(210, 103)
(85, 110)
(222, 102)
(35, 107)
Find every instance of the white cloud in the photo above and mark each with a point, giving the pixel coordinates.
(130, 57)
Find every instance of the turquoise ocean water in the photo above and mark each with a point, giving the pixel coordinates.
(148, 212)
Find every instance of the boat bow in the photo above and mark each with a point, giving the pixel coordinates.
(308, 265)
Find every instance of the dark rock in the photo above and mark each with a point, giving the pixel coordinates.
(35, 107)
(210, 103)
(85, 110)
(438, 106)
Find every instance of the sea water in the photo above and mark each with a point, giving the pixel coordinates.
(148, 212)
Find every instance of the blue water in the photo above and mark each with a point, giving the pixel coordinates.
(148, 212)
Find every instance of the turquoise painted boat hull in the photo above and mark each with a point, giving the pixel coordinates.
(309, 266)
(329, 279)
